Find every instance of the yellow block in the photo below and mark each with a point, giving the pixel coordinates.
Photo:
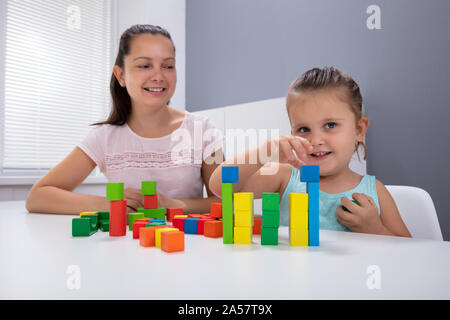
(243, 201)
(243, 219)
(181, 216)
(88, 213)
(158, 235)
(298, 211)
(242, 235)
(298, 238)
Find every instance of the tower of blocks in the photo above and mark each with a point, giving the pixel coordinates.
(151, 209)
(117, 209)
(270, 218)
(230, 175)
(304, 210)
(243, 217)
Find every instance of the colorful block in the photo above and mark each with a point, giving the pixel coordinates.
(227, 213)
(178, 222)
(104, 225)
(243, 201)
(172, 241)
(271, 218)
(158, 235)
(151, 201)
(190, 225)
(242, 235)
(103, 215)
(345, 208)
(243, 219)
(114, 191)
(257, 224)
(137, 225)
(309, 173)
(118, 218)
(88, 213)
(298, 211)
(132, 216)
(213, 229)
(147, 236)
(158, 213)
(269, 236)
(313, 214)
(230, 174)
(81, 227)
(93, 218)
(298, 237)
(148, 188)
(271, 201)
(172, 212)
(216, 210)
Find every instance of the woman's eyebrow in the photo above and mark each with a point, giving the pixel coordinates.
(148, 58)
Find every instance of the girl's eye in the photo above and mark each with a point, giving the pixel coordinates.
(143, 66)
(330, 125)
(170, 67)
(303, 129)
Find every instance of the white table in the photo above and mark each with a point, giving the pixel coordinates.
(36, 251)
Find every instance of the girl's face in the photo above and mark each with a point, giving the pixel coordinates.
(149, 71)
(326, 119)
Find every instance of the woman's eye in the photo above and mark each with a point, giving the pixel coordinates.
(330, 125)
(170, 67)
(143, 66)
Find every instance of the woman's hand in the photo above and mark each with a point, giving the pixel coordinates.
(134, 198)
(362, 218)
(166, 202)
(285, 149)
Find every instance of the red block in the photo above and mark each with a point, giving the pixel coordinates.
(151, 202)
(172, 212)
(216, 210)
(118, 218)
(136, 226)
(213, 229)
(178, 223)
(257, 224)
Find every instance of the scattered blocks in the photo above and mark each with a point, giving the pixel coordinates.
(136, 227)
(82, 227)
(178, 222)
(190, 225)
(147, 236)
(132, 217)
(213, 229)
(158, 235)
(230, 174)
(172, 241)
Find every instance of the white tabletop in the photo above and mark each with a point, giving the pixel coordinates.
(37, 250)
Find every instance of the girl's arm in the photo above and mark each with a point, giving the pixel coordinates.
(389, 214)
(53, 192)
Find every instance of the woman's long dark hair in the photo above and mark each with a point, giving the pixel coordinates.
(121, 102)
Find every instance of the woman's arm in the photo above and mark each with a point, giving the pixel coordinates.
(53, 192)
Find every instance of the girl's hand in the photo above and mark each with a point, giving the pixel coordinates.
(363, 218)
(167, 202)
(281, 150)
(134, 198)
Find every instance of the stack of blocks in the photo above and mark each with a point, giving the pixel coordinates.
(243, 217)
(230, 175)
(304, 210)
(270, 218)
(151, 209)
(89, 222)
(117, 209)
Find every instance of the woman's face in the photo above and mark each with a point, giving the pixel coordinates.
(149, 72)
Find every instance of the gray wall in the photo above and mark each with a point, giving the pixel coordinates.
(247, 50)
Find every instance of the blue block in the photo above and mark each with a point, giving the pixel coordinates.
(157, 220)
(190, 225)
(230, 174)
(313, 213)
(309, 173)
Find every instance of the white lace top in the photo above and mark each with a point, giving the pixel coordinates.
(174, 161)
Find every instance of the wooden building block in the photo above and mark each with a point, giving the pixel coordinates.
(269, 236)
(298, 237)
(81, 227)
(270, 201)
(243, 201)
(148, 188)
(216, 210)
(271, 218)
(213, 229)
(158, 213)
(172, 212)
(151, 201)
(158, 235)
(118, 218)
(257, 224)
(227, 213)
(147, 236)
(114, 191)
(242, 235)
(172, 241)
(132, 217)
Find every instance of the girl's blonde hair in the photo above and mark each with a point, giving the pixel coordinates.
(329, 78)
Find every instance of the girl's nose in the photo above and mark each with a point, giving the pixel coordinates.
(157, 75)
(316, 139)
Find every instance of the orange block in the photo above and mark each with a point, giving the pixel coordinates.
(172, 241)
(147, 236)
(257, 224)
(195, 215)
(213, 228)
(216, 210)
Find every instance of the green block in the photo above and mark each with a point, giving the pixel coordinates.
(269, 236)
(158, 213)
(270, 219)
(104, 225)
(94, 220)
(114, 191)
(148, 188)
(103, 215)
(270, 201)
(154, 224)
(81, 227)
(345, 209)
(132, 216)
(227, 213)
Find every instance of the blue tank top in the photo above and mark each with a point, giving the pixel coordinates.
(328, 203)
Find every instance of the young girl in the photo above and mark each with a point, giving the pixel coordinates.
(143, 139)
(327, 126)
